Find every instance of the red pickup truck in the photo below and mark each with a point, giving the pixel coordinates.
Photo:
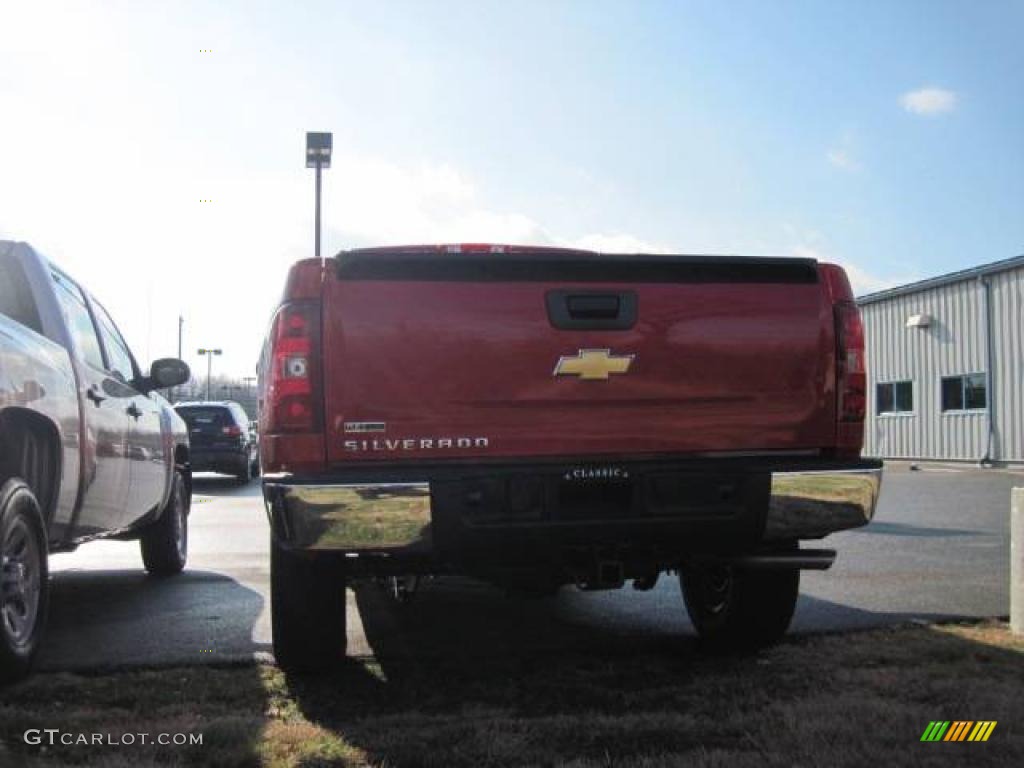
(540, 417)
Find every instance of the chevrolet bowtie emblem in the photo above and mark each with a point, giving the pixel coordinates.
(593, 364)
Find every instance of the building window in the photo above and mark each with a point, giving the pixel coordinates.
(964, 393)
(894, 397)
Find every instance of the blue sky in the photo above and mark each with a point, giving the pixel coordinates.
(886, 136)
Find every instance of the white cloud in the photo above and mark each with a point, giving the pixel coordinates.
(841, 158)
(618, 242)
(383, 203)
(861, 280)
(929, 101)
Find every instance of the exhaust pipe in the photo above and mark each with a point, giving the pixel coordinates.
(801, 559)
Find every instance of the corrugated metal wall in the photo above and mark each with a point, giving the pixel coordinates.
(953, 344)
(1008, 364)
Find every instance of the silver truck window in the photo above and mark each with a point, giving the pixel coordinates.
(78, 319)
(118, 355)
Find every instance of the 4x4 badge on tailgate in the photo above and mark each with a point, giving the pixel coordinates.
(593, 364)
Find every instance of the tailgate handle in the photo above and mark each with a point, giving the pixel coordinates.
(593, 307)
(591, 310)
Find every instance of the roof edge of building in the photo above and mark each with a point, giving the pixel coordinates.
(947, 279)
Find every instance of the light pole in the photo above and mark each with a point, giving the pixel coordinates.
(181, 323)
(250, 398)
(209, 366)
(318, 155)
(249, 381)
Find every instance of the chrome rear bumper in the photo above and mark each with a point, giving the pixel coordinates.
(809, 505)
(352, 517)
(398, 518)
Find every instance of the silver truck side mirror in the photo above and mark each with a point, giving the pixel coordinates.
(168, 372)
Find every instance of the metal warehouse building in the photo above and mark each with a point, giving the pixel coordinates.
(945, 361)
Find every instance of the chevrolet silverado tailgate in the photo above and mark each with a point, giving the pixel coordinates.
(443, 353)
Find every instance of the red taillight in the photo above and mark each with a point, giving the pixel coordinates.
(293, 401)
(851, 380)
(233, 431)
(850, 373)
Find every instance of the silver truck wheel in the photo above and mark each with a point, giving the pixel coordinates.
(739, 610)
(164, 544)
(24, 579)
(307, 610)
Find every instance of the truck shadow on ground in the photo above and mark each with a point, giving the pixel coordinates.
(460, 618)
(465, 676)
(475, 678)
(107, 619)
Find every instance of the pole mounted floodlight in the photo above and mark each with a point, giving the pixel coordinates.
(209, 365)
(318, 149)
(318, 155)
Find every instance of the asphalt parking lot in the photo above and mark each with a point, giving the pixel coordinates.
(938, 549)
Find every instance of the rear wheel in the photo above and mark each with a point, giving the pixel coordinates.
(307, 610)
(739, 610)
(24, 579)
(164, 544)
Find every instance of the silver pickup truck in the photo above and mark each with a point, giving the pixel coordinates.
(88, 449)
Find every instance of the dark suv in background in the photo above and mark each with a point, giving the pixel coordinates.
(220, 439)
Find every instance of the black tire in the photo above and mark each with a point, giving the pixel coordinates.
(164, 544)
(244, 473)
(307, 610)
(24, 579)
(739, 610)
(254, 468)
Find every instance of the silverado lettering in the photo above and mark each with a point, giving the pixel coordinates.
(415, 444)
(704, 415)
